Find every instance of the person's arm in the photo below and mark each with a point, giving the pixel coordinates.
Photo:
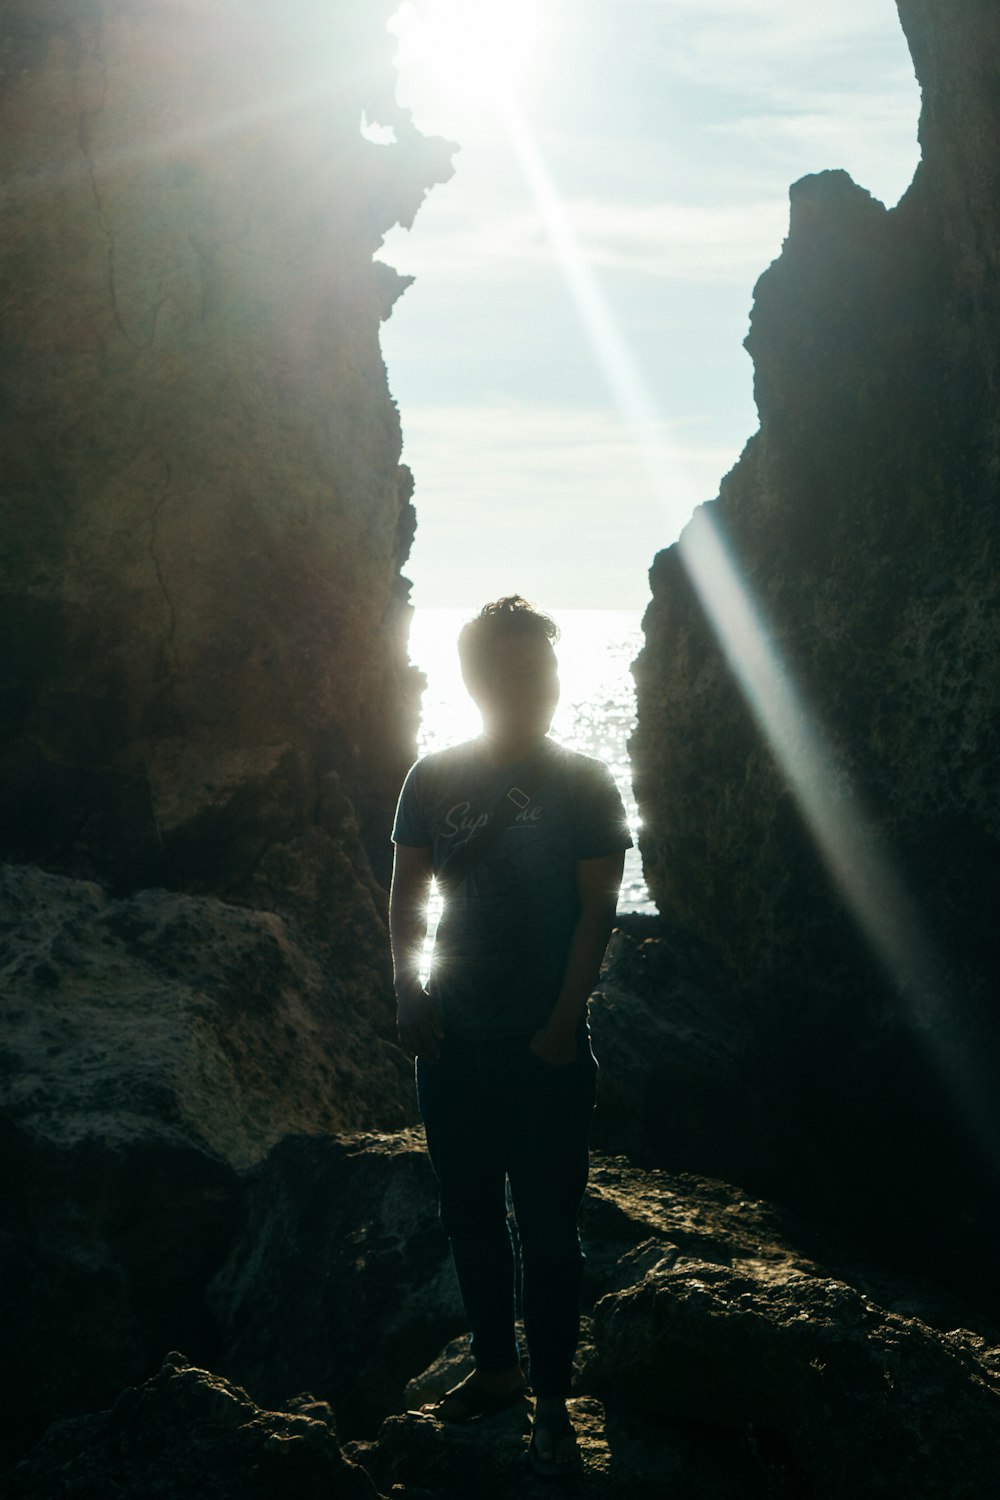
(597, 882)
(418, 1019)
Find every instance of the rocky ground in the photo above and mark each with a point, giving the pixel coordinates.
(727, 1352)
(193, 1160)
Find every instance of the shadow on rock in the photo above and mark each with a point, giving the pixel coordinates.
(864, 1402)
(672, 1035)
(342, 1279)
(724, 1361)
(187, 1433)
(155, 1047)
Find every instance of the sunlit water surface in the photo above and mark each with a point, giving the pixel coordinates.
(596, 712)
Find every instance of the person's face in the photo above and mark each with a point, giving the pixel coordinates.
(519, 689)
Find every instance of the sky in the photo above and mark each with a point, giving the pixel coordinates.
(568, 363)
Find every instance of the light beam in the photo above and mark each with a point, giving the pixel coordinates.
(856, 856)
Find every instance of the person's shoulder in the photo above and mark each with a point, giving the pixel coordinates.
(447, 760)
(578, 765)
(450, 754)
(596, 806)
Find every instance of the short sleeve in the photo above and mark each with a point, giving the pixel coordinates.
(601, 826)
(411, 826)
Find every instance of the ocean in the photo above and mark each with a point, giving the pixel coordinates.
(596, 713)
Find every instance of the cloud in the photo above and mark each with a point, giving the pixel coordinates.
(672, 129)
(873, 138)
(685, 241)
(835, 74)
(556, 502)
(743, 98)
(732, 39)
(677, 240)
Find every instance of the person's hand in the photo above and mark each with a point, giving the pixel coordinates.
(418, 1023)
(557, 1048)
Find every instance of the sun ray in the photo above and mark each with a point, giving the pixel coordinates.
(173, 144)
(859, 861)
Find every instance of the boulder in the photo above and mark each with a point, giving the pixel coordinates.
(672, 1036)
(341, 1279)
(186, 1434)
(182, 1018)
(154, 1047)
(862, 1401)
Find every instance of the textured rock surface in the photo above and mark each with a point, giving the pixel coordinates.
(863, 521)
(162, 1016)
(105, 1252)
(726, 1360)
(672, 1036)
(205, 701)
(153, 1046)
(203, 511)
(863, 1402)
(187, 1433)
(341, 1280)
(733, 1354)
(626, 1457)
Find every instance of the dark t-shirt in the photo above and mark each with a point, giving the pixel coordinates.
(500, 951)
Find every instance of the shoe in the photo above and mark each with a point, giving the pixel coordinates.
(554, 1468)
(462, 1404)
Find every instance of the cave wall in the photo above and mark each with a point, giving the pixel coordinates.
(203, 511)
(863, 521)
(206, 706)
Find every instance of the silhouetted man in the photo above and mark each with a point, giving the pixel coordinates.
(527, 841)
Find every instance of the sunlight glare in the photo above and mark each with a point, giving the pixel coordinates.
(857, 857)
(467, 49)
(851, 847)
(660, 460)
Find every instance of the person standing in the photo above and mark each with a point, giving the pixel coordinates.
(527, 841)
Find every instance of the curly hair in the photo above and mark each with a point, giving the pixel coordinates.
(503, 618)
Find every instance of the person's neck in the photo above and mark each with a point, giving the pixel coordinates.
(509, 749)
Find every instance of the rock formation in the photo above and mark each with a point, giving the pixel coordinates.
(207, 709)
(341, 1279)
(154, 1048)
(204, 516)
(207, 706)
(832, 826)
(673, 1037)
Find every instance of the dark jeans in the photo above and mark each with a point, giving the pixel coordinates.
(494, 1113)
